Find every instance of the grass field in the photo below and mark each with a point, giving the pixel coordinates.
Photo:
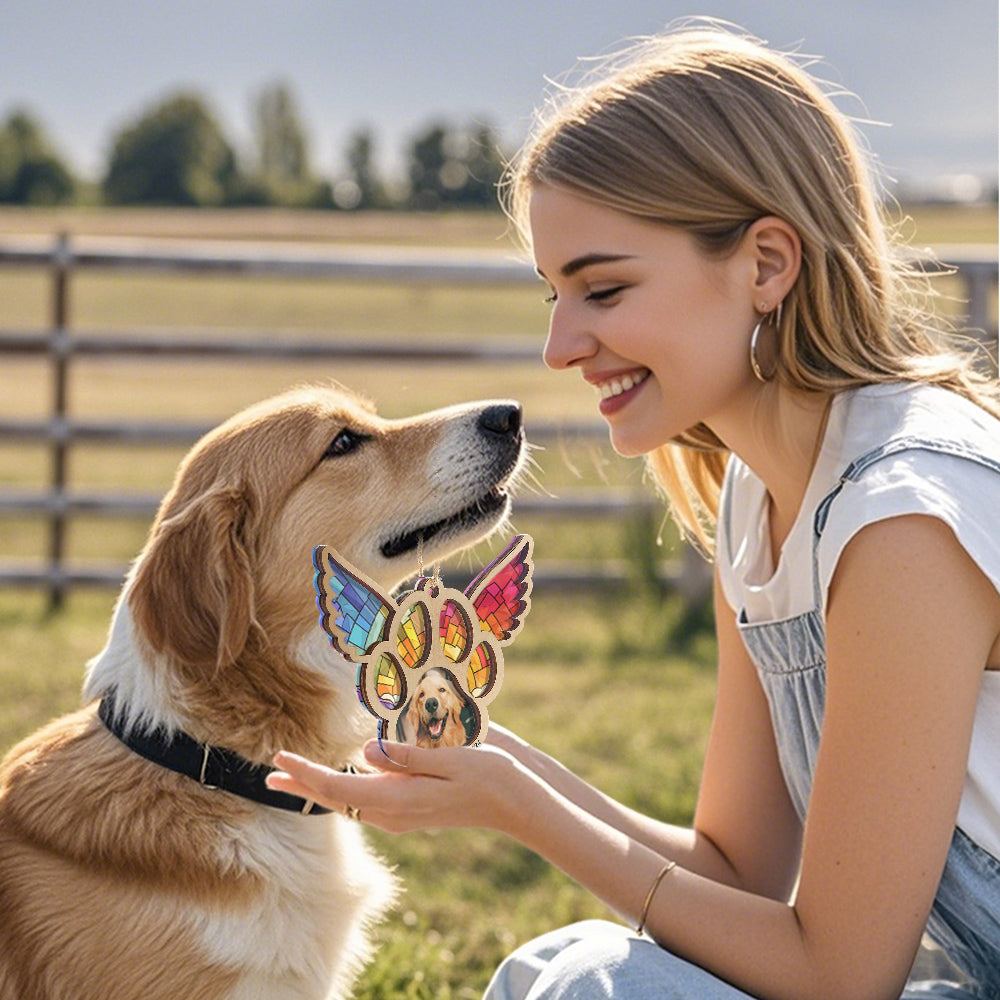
(577, 683)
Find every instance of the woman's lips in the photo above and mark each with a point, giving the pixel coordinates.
(618, 389)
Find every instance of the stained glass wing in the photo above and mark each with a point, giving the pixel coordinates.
(349, 603)
(500, 594)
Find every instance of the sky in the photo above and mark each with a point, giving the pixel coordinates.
(927, 69)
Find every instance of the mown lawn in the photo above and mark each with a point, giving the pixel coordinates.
(624, 699)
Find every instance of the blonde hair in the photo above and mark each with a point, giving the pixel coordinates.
(708, 130)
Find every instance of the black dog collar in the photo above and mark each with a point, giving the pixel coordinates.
(211, 767)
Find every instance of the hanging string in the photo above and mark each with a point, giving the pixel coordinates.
(435, 578)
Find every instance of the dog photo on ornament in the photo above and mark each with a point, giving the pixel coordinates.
(434, 714)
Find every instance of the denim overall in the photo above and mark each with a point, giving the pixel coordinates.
(790, 656)
(598, 960)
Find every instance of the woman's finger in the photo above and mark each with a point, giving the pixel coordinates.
(279, 781)
(389, 756)
(307, 779)
(404, 758)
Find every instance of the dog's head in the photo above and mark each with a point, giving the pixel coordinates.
(229, 555)
(434, 716)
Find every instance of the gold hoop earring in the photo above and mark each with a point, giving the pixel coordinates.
(754, 363)
(754, 338)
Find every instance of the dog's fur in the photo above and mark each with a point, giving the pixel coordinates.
(121, 879)
(436, 700)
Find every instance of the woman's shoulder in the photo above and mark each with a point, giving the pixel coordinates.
(890, 449)
(917, 447)
(871, 421)
(917, 450)
(914, 415)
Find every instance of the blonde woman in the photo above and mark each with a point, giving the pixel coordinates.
(719, 272)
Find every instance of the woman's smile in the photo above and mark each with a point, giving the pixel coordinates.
(617, 389)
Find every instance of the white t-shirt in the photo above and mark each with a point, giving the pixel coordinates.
(964, 494)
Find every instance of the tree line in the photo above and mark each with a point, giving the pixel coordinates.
(175, 152)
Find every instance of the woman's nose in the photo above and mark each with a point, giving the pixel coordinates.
(568, 342)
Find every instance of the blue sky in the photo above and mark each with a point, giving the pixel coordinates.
(926, 67)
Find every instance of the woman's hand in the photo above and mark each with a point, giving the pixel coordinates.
(411, 788)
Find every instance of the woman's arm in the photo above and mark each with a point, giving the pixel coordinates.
(743, 803)
(910, 625)
(745, 833)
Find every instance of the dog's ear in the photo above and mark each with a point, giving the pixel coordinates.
(192, 595)
(402, 721)
(469, 718)
(460, 709)
(412, 716)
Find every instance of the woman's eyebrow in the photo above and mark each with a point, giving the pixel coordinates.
(588, 260)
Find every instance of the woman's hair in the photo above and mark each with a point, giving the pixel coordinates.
(707, 130)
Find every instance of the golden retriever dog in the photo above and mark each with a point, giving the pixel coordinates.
(141, 854)
(433, 717)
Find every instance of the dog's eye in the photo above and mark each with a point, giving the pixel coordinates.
(344, 443)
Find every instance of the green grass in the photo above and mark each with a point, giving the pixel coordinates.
(625, 702)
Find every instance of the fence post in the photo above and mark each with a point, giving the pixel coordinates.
(979, 280)
(59, 348)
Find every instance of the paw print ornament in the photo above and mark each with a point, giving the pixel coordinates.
(429, 662)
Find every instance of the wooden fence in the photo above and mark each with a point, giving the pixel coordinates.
(61, 346)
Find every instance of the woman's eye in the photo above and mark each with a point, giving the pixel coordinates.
(603, 294)
(344, 443)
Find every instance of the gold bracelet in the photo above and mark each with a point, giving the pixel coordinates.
(668, 867)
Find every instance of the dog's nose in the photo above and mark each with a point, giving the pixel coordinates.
(502, 419)
(431, 705)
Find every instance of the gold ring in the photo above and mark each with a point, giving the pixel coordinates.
(352, 812)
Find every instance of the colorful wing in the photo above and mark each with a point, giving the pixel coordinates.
(349, 602)
(500, 594)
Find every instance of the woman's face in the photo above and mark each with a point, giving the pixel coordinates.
(659, 329)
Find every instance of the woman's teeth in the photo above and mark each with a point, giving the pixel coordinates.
(619, 385)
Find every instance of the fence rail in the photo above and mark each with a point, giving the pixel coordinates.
(60, 431)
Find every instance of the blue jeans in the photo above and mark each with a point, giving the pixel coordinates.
(597, 960)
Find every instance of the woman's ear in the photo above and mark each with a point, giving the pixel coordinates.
(777, 254)
(402, 733)
(457, 703)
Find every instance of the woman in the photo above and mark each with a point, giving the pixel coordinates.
(721, 275)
